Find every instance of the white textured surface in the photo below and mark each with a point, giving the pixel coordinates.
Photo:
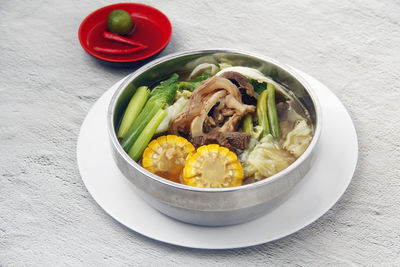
(48, 83)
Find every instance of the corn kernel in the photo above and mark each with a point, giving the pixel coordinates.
(212, 166)
(166, 156)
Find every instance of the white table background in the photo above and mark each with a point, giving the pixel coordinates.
(48, 83)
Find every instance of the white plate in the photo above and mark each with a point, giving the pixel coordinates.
(319, 190)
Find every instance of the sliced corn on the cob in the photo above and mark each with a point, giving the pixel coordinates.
(212, 166)
(166, 156)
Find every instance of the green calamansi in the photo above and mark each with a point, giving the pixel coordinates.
(119, 22)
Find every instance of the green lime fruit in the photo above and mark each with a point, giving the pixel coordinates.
(119, 22)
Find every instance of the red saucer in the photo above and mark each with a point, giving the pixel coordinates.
(152, 28)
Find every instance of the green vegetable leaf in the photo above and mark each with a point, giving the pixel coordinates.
(165, 91)
(258, 87)
(194, 83)
(160, 96)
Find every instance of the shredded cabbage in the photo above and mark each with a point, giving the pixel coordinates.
(266, 159)
(298, 139)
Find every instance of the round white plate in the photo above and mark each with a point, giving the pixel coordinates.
(323, 185)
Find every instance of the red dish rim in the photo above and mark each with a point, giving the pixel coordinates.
(168, 27)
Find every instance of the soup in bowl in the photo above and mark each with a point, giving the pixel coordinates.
(214, 137)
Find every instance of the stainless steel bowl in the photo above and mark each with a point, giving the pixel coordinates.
(209, 206)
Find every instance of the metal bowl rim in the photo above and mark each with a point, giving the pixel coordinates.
(116, 145)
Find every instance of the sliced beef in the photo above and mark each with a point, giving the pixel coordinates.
(238, 140)
(235, 141)
(211, 138)
(249, 96)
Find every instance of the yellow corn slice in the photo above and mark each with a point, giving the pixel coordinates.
(166, 156)
(212, 166)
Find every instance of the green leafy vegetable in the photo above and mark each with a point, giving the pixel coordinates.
(160, 96)
(258, 87)
(194, 83)
(165, 91)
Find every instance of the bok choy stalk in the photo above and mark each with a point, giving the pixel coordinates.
(160, 96)
(145, 136)
(262, 113)
(132, 111)
(247, 125)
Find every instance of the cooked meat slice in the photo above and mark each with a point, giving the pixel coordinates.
(234, 140)
(217, 98)
(210, 121)
(240, 109)
(182, 122)
(211, 138)
(228, 112)
(249, 96)
(179, 124)
(208, 125)
(230, 124)
(237, 105)
(196, 127)
(238, 140)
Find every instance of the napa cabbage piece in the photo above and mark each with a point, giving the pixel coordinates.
(224, 65)
(183, 93)
(245, 154)
(256, 132)
(266, 159)
(255, 135)
(204, 68)
(252, 73)
(298, 139)
(173, 110)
